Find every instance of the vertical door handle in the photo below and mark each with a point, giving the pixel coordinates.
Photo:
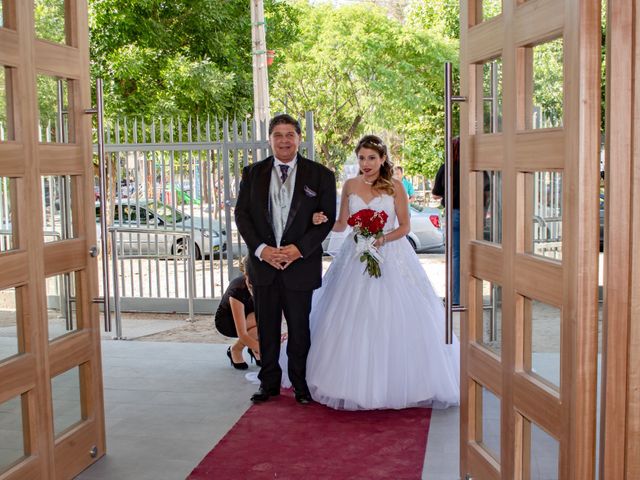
(449, 98)
(99, 111)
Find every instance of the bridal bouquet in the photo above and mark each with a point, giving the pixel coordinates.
(367, 225)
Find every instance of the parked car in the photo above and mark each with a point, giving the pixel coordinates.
(426, 228)
(426, 232)
(145, 215)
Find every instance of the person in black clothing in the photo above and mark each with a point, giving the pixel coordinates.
(236, 318)
(438, 193)
(273, 211)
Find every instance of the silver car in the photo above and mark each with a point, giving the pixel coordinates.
(426, 232)
(426, 229)
(155, 215)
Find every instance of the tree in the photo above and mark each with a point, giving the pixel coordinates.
(358, 71)
(177, 58)
(439, 17)
(49, 20)
(325, 71)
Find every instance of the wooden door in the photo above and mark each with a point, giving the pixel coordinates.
(51, 406)
(620, 399)
(530, 136)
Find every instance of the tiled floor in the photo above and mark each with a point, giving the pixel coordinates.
(168, 404)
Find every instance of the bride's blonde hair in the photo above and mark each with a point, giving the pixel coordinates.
(384, 182)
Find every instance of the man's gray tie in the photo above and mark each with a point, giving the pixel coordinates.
(284, 172)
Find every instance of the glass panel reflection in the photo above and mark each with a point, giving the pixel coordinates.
(9, 338)
(491, 201)
(488, 421)
(491, 8)
(548, 84)
(545, 452)
(547, 214)
(49, 20)
(8, 239)
(542, 341)
(491, 316)
(65, 393)
(492, 96)
(12, 448)
(61, 311)
(6, 105)
(53, 110)
(57, 211)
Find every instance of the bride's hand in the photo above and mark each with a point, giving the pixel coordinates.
(380, 241)
(318, 218)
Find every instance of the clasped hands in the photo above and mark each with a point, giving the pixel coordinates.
(280, 258)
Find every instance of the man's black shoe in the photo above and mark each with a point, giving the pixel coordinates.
(263, 394)
(303, 398)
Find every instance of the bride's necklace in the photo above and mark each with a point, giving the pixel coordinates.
(367, 181)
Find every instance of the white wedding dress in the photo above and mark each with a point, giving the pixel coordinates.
(379, 343)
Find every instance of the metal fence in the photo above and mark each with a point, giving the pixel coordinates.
(547, 214)
(174, 176)
(171, 181)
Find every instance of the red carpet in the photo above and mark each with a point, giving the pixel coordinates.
(282, 440)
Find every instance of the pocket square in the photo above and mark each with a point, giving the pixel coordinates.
(308, 192)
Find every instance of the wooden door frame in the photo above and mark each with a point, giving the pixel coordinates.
(620, 392)
(571, 284)
(29, 373)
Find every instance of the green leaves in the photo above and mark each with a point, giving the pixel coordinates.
(360, 71)
(182, 58)
(356, 68)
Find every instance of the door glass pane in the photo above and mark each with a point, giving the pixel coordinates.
(491, 8)
(49, 20)
(54, 117)
(8, 240)
(57, 211)
(6, 104)
(542, 324)
(543, 452)
(12, 448)
(492, 96)
(490, 198)
(491, 327)
(65, 393)
(546, 215)
(61, 305)
(487, 432)
(10, 334)
(548, 85)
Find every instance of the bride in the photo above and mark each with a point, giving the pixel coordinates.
(378, 343)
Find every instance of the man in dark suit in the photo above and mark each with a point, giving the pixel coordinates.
(274, 210)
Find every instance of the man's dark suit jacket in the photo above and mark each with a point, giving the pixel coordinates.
(314, 191)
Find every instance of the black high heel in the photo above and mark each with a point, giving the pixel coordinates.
(239, 365)
(253, 357)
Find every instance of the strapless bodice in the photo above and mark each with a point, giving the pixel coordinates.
(383, 202)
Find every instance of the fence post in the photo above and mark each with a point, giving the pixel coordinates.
(309, 140)
(228, 202)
